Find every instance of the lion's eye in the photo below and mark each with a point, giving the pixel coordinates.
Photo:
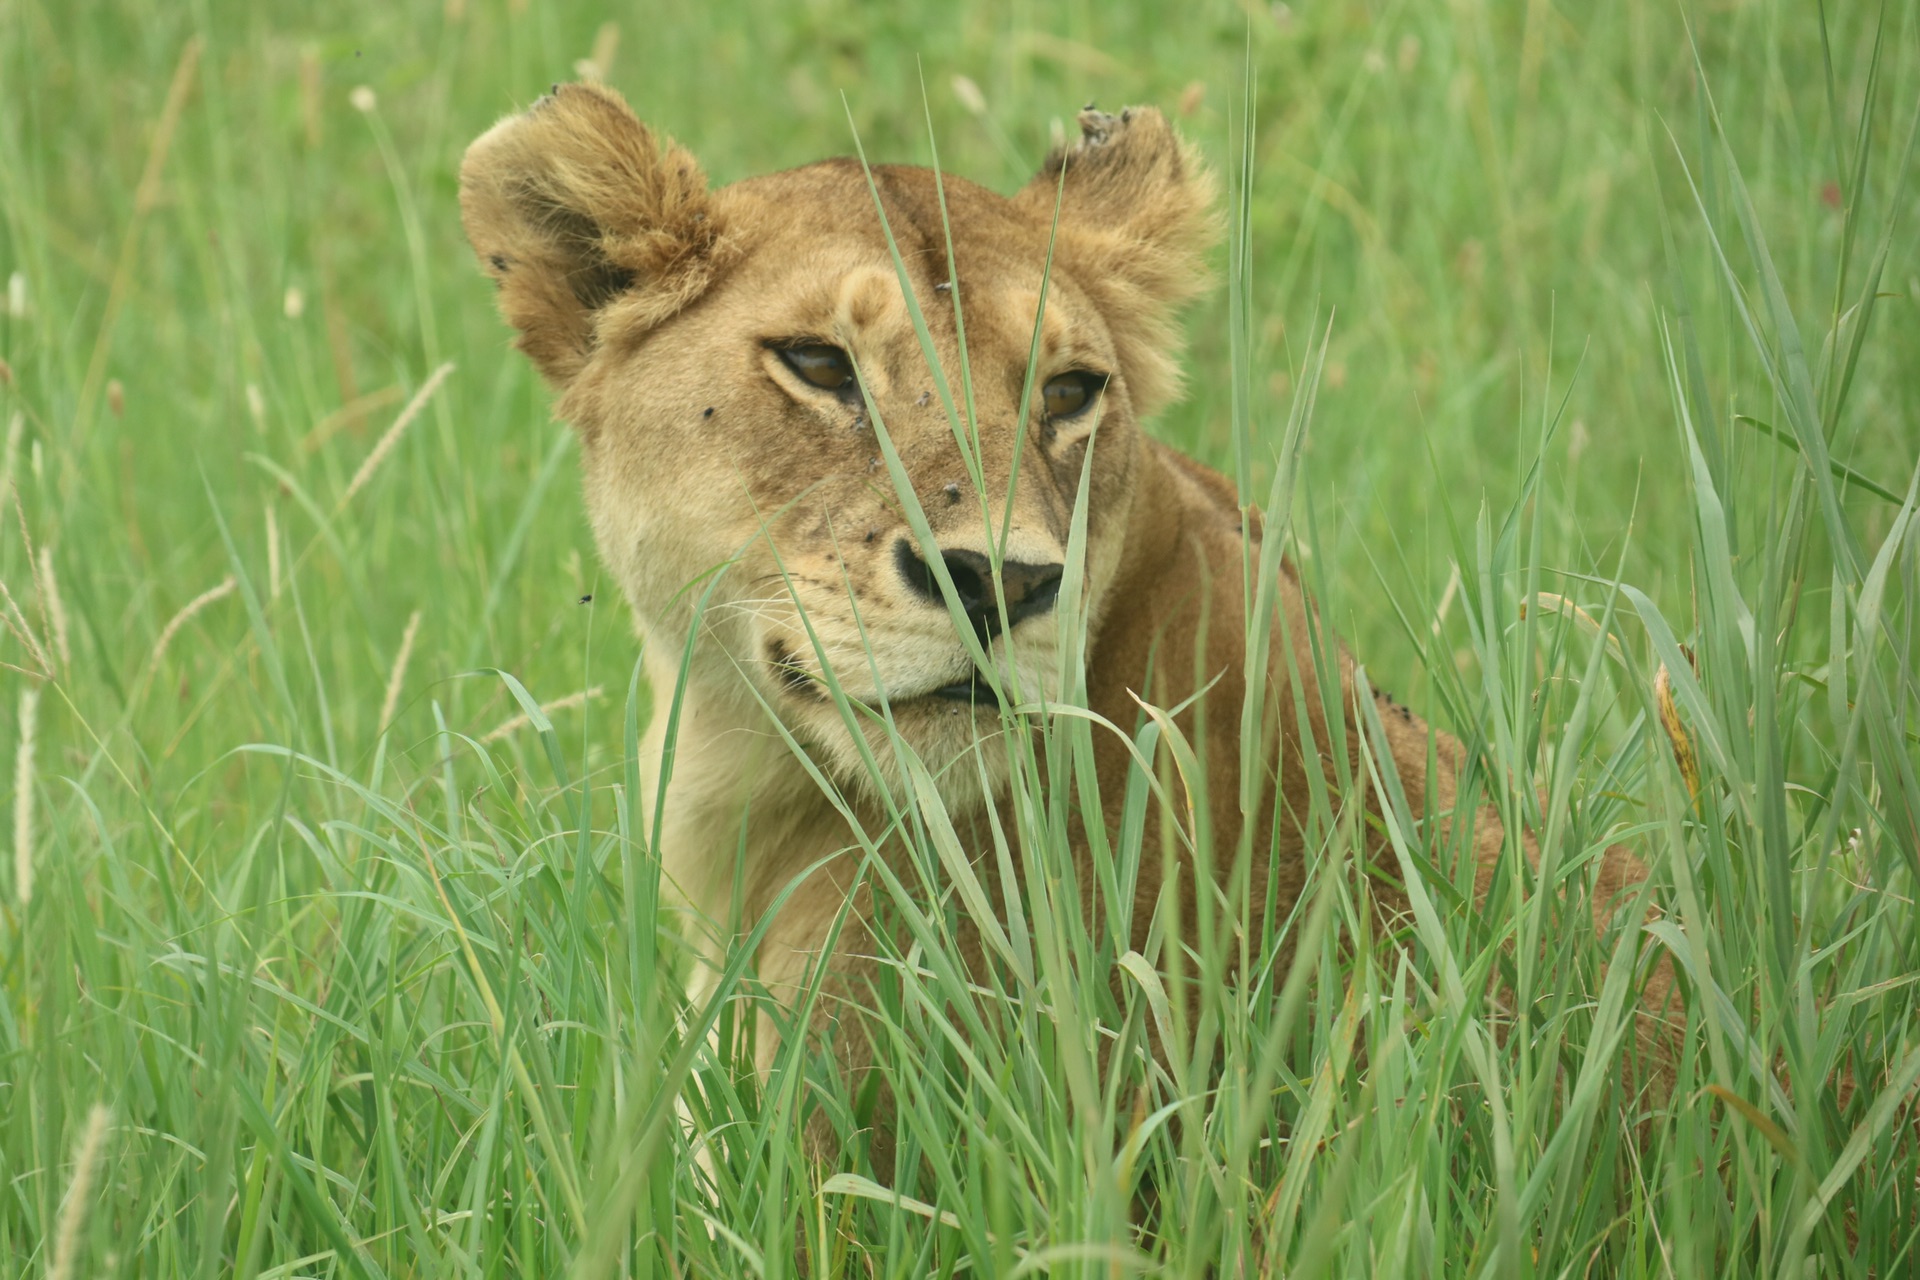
(825, 367)
(1072, 394)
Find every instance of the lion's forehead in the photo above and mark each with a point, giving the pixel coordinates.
(814, 252)
(923, 211)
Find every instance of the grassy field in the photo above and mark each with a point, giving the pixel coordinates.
(325, 952)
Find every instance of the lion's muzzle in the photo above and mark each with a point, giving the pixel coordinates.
(1029, 589)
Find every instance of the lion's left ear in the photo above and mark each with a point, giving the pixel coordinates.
(585, 220)
(1136, 220)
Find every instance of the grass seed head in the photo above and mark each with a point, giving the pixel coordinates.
(397, 680)
(386, 443)
(56, 610)
(1677, 733)
(23, 796)
(73, 1209)
(220, 591)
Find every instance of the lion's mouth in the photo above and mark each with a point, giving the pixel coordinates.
(796, 679)
(972, 690)
(975, 689)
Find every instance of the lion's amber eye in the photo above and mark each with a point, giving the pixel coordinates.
(1072, 394)
(827, 368)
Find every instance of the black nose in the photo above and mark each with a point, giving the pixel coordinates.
(1031, 588)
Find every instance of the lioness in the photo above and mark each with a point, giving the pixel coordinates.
(721, 352)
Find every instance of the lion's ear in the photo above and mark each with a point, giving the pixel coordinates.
(1137, 217)
(585, 220)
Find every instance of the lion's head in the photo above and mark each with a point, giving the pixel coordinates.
(711, 345)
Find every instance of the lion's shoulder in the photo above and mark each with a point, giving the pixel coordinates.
(1209, 499)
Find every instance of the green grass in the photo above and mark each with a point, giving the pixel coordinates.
(301, 991)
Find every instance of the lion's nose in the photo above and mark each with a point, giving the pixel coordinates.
(1031, 588)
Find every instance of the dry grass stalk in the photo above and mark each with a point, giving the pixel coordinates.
(392, 437)
(508, 728)
(273, 555)
(391, 703)
(73, 1209)
(310, 94)
(144, 199)
(1446, 600)
(347, 415)
(974, 101)
(1550, 602)
(598, 64)
(34, 565)
(23, 796)
(16, 427)
(17, 623)
(56, 610)
(221, 591)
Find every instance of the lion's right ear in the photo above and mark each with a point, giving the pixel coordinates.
(586, 224)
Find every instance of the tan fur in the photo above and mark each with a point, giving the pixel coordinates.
(649, 301)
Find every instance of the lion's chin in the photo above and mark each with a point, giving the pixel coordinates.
(953, 739)
(935, 719)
